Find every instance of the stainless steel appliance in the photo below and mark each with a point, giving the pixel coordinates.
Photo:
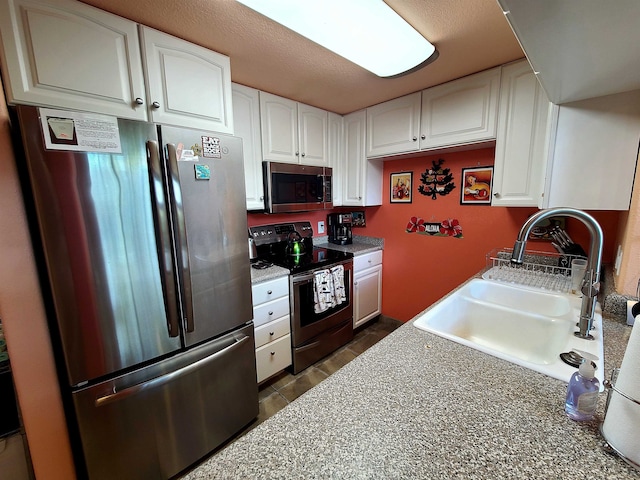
(314, 333)
(339, 225)
(296, 188)
(144, 235)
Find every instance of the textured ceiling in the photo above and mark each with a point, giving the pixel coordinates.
(470, 35)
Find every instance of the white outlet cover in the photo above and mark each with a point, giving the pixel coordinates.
(320, 226)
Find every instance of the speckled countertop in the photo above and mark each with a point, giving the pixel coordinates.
(419, 406)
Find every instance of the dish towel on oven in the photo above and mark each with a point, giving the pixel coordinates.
(323, 292)
(339, 293)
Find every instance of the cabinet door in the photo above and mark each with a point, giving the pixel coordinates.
(460, 112)
(393, 126)
(521, 139)
(187, 85)
(367, 286)
(246, 125)
(313, 135)
(336, 156)
(279, 124)
(354, 159)
(67, 54)
(594, 153)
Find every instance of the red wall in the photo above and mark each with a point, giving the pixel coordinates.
(420, 269)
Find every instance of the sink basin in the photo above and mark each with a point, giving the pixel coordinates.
(523, 325)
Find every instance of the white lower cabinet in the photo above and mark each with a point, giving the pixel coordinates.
(272, 327)
(367, 287)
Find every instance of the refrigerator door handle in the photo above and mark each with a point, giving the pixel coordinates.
(181, 243)
(164, 379)
(163, 234)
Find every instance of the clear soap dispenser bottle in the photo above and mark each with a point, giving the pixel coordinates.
(582, 392)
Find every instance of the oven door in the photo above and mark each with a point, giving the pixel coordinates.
(305, 322)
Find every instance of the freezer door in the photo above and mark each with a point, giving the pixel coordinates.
(155, 422)
(102, 242)
(206, 179)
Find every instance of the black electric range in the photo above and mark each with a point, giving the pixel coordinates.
(271, 245)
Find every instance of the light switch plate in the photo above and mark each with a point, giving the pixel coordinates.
(321, 226)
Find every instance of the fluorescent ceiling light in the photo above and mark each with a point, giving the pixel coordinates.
(366, 32)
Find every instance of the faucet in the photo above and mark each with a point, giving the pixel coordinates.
(591, 283)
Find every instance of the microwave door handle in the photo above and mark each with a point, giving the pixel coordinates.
(182, 249)
(163, 234)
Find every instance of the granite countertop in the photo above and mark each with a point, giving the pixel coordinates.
(419, 406)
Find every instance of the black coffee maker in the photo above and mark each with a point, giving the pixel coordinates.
(340, 228)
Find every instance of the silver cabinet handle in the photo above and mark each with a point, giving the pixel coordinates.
(496, 194)
(139, 101)
(270, 313)
(297, 154)
(271, 334)
(415, 139)
(303, 154)
(272, 353)
(423, 137)
(269, 292)
(155, 105)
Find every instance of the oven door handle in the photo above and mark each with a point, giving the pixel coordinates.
(299, 278)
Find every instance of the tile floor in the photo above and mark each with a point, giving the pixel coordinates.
(277, 392)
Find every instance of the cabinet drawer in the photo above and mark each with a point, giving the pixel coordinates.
(367, 260)
(270, 290)
(270, 311)
(273, 357)
(272, 331)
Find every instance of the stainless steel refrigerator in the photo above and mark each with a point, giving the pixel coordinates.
(143, 230)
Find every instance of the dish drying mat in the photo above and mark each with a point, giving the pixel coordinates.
(543, 270)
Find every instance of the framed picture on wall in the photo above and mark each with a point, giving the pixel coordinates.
(400, 187)
(477, 185)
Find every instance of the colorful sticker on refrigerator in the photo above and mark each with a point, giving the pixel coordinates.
(211, 147)
(203, 172)
(80, 132)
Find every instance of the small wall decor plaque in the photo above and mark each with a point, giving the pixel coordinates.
(436, 180)
(449, 227)
(400, 187)
(477, 185)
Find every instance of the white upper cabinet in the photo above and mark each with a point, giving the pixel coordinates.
(581, 50)
(293, 132)
(336, 156)
(393, 127)
(246, 119)
(187, 84)
(521, 139)
(67, 54)
(313, 131)
(460, 112)
(362, 177)
(593, 153)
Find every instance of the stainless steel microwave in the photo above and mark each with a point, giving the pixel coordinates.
(291, 187)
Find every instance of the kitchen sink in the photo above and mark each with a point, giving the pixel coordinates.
(523, 325)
